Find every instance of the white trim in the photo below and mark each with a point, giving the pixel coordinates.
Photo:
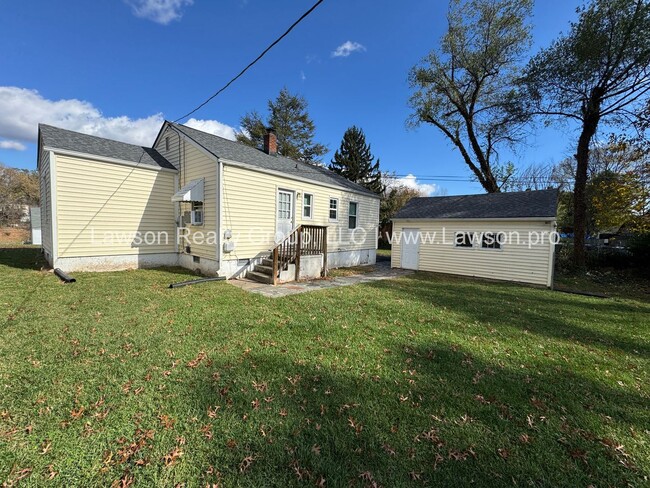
(219, 210)
(293, 177)
(102, 159)
(551, 264)
(53, 208)
(329, 209)
(508, 219)
(311, 206)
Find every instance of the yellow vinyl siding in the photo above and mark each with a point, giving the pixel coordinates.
(98, 200)
(249, 210)
(195, 165)
(46, 202)
(513, 262)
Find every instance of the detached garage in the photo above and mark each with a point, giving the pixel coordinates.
(501, 236)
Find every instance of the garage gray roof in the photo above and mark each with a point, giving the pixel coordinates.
(237, 151)
(510, 205)
(68, 140)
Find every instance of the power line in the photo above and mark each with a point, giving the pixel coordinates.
(302, 17)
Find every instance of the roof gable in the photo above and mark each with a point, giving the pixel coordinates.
(239, 152)
(67, 140)
(510, 205)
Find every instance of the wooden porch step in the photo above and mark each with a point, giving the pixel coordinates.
(261, 277)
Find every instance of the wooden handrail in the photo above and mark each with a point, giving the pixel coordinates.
(304, 240)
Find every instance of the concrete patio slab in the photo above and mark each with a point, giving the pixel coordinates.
(382, 271)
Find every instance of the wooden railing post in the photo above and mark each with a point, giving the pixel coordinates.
(275, 265)
(298, 252)
(324, 248)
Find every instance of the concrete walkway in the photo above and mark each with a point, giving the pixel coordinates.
(381, 271)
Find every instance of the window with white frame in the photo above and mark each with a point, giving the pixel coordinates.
(166, 143)
(334, 209)
(197, 213)
(352, 215)
(464, 239)
(491, 240)
(308, 206)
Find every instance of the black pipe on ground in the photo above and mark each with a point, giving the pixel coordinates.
(194, 282)
(64, 277)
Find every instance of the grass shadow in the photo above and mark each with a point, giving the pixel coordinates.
(22, 257)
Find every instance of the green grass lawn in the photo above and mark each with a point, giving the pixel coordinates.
(424, 380)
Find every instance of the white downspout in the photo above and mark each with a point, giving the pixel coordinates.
(219, 213)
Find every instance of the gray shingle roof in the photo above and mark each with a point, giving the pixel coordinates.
(68, 140)
(237, 151)
(511, 205)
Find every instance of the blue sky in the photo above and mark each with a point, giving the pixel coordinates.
(117, 68)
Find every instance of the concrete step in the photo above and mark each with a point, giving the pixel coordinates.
(261, 277)
(267, 270)
(267, 262)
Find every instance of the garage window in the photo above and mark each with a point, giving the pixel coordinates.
(491, 241)
(464, 239)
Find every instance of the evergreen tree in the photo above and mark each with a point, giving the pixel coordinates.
(354, 161)
(293, 127)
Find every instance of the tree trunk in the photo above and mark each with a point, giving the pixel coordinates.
(589, 126)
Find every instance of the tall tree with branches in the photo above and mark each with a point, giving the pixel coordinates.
(467, 88)
(354, 161)
(598, 72)
(294, 128)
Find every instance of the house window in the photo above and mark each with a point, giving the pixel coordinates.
(308, 206)
(464, 239)
(352, 215)
(166, 143)
(491, 240)
(197, 213)
(334, 209)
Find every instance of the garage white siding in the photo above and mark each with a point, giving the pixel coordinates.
(527, 256)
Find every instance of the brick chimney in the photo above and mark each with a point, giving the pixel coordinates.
(271, 142)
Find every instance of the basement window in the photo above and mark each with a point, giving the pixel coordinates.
(197, 213)
(464, 239)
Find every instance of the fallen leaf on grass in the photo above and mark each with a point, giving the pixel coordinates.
(197, 360)
(246, 463)
(171, 458)
(166, 421)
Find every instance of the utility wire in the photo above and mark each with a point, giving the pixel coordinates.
(302, 17)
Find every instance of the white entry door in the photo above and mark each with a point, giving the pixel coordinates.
(284, 216)
(410, 243)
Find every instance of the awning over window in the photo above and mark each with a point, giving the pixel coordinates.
(192, 192)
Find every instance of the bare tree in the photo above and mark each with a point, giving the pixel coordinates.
(467, 88)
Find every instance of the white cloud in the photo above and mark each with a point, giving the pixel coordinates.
(303, 76)
(410, 181)
(15, 145)
(347, 48)
(159, 11)
(21, 110)
(213, 127)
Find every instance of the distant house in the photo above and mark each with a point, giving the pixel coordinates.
(502, 236)
(199, 201)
